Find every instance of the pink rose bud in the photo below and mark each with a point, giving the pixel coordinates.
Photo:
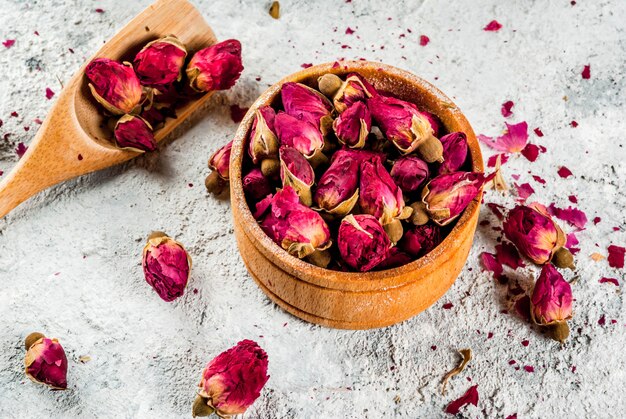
(296, 171)
(217, 67)
(551, 302)
(263, 141)
(232, 381)
(114, 85)
(535, 234)
(420, 240)
(446, 196)
(256, 186)
(45, 361)
(220, 161)
(379, 195)
(160, 62)
(409, 173)
(395, 258)
(134, 133)
(408, 128)
(362, 241)
(301, 135)
(308, 104)
(353, 125)
(166, 265)
(454, 152)
(354, 89)
(293, 226)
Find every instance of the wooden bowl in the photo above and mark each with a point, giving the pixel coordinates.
(351, 300)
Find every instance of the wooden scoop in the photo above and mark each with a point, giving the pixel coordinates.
(74, 138)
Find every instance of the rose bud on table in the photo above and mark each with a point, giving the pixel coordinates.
(551, 303)
(535, 234)
(299, 134)
(353, 125)
(160, 62)
(293, 226)
(362, 241)
(354, 89)
(409, 173)
(45, 361)
(307, 104)
(338, 189)
(420, 240)
(166, 266)
(256, 185)
(217, 67)
(408, 128)
(219, 163)
(446, 196)
(263, 146)
(455, 150)
(134, 133)
(232, 381)
(114, 85)
(296, 171)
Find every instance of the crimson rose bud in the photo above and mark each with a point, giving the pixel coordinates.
(420, 240)
(338, 189)
(362, 241)
(114, 85)
(409, 173)
(166, 265)
(45, 361)
(263, 141)
(256, 186)
(379, 195)
(217, 67)
(354, 89)
(220, 161)
(308, 104)
(551, 302)
(299, 134)
(134, 133)
(160, 62)
(296, 171)
(454, 152)
(353, 125)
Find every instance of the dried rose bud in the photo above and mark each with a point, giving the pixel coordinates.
(408, 128)
(299, 134)
(217, 67)
(166, 265)
(232, 381)
(296, 171)
(353, 126)
(160, 62)
(256, 186)
(395, 257)
(114, 85)
(420, 240)
(446, 196)
(354, 89)
(329, 84)
(409, 173)
(535, 234)
(134, 133)
(379, 195)
(45, 361)
(551, 302)
(454, 152)
(263, 141)
(293, 226)
(307, 104)
(220, 161)
(362, 241)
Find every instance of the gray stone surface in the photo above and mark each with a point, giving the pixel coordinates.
(70, 258)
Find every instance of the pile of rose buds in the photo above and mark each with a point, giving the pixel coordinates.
(350, 178)
(138, 97)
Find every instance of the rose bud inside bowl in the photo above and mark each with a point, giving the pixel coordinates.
(299, 134)
(296, 171)
(354, 89)
(410, 173)
(217, 67)
(353, 126)
(307, 104)
(362, 241)
(455, 151)
(160, 63)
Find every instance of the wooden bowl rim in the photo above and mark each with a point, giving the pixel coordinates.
(329, 278)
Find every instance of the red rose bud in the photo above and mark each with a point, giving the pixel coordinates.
(420, 240)
(307, 104)
(454, 152)
(232, 381)
(408, 128)
(166, 266)
(551, 302)
(353, 125)
(293, 226)
(219, 163)
(409, 173)
(134, 133)
(256, 186)
(296, 171)
(446, 196)
(537, 236)
(299, 134)
(354, 89)
(395, 258)
(217, 67)
(379, 195)
(362, 241)
(160, 62)
(114, 85)
(45, 361)
(263, 141)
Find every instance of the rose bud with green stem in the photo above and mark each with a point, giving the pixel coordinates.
(114, 85)
(353, 125)
(263, 146)
(45, 361)
(160, 62)
(362, 241)
(307, 104)
(409, 173)
(551, 302)
(256, 185)
(296, 171)
(217, 67)
(166, 266)
(354, 89)
(134, 133)
(455, 151)
(219, 163)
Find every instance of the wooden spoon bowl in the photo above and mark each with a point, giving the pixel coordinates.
(350, 300)
(74, 138)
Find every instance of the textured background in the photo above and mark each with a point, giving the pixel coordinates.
(70, 258)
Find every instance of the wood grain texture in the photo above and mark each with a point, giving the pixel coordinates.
(75, 124)
(351, 300)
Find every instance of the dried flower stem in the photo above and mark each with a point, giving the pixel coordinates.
(467, 356)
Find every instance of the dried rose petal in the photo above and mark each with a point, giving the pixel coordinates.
(301, 135)
(586, 73)
(470, 397)
(232, 381)
(409, 173)
(114, 85)
(379, 195)
(551, 301)
(256, 186)
(133, 132)
(420, 240)
(491, 263)
(354, 89)
(46, 362)
(616, 256)
(296, 171)
(572, 215)
(166, 265)
(353, 125)
(512, 141)
(263, 140)
(506, 108)
(160, 62)
(455, 151)
(492, 26)
(217, 67)
(220, 161)
(362, 241)
(307, 104)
